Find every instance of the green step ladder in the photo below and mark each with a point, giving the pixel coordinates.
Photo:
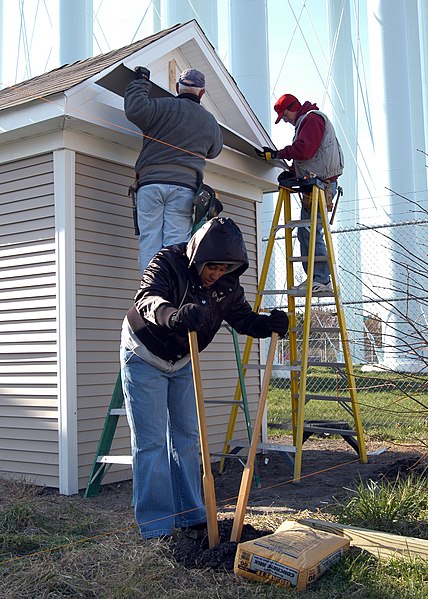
(104, 460)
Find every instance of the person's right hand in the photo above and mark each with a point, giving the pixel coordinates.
(190, 317)
(142, 73)
(266, 153)
(278, 322)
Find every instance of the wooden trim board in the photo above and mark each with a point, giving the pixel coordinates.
(380, 544)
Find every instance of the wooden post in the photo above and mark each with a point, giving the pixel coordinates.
(207, 480)
(172, 75)
(247, 475)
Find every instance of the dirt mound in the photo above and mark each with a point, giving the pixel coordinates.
(192, 550)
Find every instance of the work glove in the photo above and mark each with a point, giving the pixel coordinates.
(142, 73)
(266, 153)
(278, 322)
(190, 317)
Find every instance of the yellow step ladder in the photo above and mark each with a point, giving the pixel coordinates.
(299, 363)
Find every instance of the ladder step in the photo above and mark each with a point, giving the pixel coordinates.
(114, 459)
(317, 329)
(305, 258)
(232, 402)
(310, 396)
(266, 446)
(327, 364)
(302, 293)
(117, 412)
(331, 431)
(295, 223)
(284, 367)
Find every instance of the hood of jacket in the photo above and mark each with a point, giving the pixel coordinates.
(306, 107)
(219, 240)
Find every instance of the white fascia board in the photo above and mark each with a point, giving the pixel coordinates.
(30, 113)
(248, 170)
(106, 117)
(64, 198)
(84, 142)
(32, 141)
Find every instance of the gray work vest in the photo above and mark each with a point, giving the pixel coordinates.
(328, 160)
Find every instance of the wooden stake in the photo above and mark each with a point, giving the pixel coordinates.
(207, 480)
(247, 475)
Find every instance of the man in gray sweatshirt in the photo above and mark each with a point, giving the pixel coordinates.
(179, 134)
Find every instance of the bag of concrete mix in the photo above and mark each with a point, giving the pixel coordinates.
(293, 556)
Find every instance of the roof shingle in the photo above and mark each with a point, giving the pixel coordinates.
(68, 75)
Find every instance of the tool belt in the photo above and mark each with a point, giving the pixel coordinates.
(132, 193)
(206, 204)
(306, 198)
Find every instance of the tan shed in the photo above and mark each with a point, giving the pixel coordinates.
(68, 253)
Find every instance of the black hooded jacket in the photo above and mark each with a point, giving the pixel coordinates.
(171, 280)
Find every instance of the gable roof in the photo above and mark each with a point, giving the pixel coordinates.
(68, 75)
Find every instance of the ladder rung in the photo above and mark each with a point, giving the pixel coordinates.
(273, 291)
(302, 293)
(117, 412)
(317, 329)
(233, 402)
(327, 364)
(284, 367)
(114, 459)
(226, 455)
(295, 223)
(310, 396)
(305, 258)
(331, 431)
(266, 446)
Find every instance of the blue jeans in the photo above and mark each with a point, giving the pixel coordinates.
(162, 416)
(164, 215)
(321, 269)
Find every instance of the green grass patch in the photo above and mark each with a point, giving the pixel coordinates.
(398, 507)
(392, 406)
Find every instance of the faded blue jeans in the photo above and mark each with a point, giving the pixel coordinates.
(321, 269)
(165, 217)
(162, 416)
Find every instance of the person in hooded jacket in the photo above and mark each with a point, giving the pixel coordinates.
(314, 151)
(186, 287)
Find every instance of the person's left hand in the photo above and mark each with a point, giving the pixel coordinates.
(266, 153)
(278, 322)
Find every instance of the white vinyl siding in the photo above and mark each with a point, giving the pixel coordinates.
(28, 348)
(107, 277)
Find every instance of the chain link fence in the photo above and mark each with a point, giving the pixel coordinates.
(382, 272)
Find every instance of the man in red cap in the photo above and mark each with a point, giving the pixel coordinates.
(314, 151)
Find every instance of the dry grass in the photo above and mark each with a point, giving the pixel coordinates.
(57, 547)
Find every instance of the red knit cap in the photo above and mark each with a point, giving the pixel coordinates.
(286, 102)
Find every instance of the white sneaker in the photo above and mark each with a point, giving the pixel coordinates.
(300, 287)
(319, 287)
(316, 287)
